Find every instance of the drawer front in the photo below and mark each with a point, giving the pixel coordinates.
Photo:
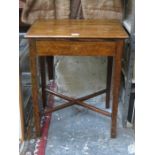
(75, 48)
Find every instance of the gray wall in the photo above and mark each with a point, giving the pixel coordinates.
(77, 76)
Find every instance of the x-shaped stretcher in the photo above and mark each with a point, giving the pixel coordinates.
(78, 101)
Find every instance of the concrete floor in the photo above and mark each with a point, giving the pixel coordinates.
(76, 130)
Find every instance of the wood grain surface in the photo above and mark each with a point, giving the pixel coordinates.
(64, 28)
(77, 48)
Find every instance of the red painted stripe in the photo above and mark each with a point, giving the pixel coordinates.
(43, 140)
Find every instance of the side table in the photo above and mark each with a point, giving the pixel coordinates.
(82, 37)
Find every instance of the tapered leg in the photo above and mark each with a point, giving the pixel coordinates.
(108, 84)
(116, 86)
(43, 79)
(50, 64)
(33, 68)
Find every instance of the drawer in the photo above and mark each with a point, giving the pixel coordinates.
(75, 48)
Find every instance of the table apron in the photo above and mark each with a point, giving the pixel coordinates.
(75, 48)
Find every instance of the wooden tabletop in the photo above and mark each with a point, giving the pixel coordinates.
(82, 28)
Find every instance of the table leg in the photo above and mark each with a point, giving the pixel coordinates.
(43, 79)
(33, 68)
(116, 86)
(50, 65)
(109, 76)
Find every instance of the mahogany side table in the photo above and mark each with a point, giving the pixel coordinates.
(77, 38)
